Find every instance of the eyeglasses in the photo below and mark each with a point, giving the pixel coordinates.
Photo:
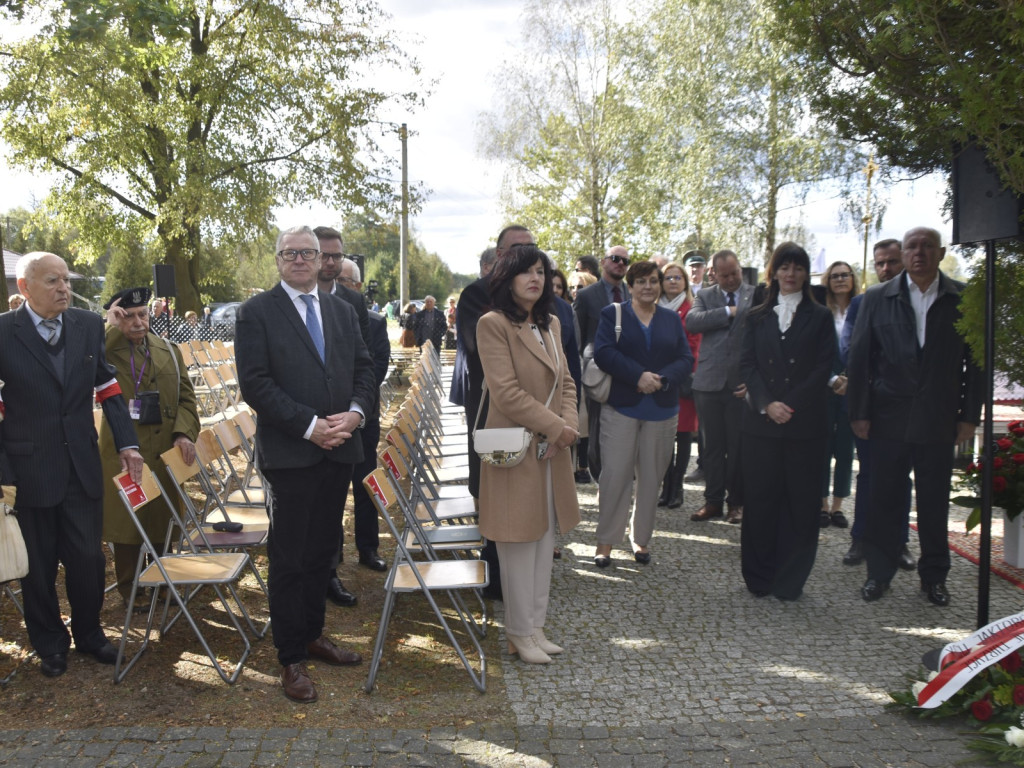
(346, 279)
(331, 256)
(521, 245)
(307, 254)
(840, 276)
(618, 259)
(673, 278)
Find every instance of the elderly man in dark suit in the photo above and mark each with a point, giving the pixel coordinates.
(429, 324)
(304, 368)
(913, 393)
(718, 313)
(588, 305)
(52, 360)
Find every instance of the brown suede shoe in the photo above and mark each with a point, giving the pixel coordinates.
(296, 683)
(707, 512)
(735, 515)
(325, 650)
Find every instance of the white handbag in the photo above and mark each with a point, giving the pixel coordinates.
(597, 383)
(507, 446)
(13, 555)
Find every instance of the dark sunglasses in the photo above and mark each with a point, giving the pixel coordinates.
(618, 259)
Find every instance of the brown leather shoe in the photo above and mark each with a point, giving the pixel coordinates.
(735, 515)
(707, 512)
(296, 683)
(325, 650)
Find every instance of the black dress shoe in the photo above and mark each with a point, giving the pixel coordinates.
(582, 476)
(873, 590)
(906, 561)
(55, 665)
(338, 595)
(937, 593)
(373, 561)
(644, 558)
(855, 554)
(602, 561)
(105, 654)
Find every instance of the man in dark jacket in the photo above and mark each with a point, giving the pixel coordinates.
(914, 392)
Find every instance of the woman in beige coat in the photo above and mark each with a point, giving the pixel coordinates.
(521, 507)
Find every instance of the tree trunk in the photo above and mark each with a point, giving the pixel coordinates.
(4, 296)
(181, 250)
(772, 206)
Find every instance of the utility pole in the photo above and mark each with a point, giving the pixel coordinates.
(869, 170)
(403, 257)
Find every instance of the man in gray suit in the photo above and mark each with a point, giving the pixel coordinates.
(52, 360)
(718, 313)
(304, 368)
(588, 305)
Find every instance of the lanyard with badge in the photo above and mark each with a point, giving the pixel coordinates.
(135, 404)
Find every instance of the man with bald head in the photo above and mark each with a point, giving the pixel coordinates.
(52, 361)
(913, 393)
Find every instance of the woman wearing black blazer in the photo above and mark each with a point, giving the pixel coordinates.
(638, 423)
(788, 348)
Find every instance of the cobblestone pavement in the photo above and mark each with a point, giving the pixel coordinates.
(674, 663)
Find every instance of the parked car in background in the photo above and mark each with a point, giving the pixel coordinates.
(222, 320)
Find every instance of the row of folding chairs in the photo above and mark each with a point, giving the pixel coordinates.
(427, 508)
(211, 367)
(196, 554)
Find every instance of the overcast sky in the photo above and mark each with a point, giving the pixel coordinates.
(461, 43)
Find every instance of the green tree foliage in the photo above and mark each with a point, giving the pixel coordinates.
(729, 110)
(186, 122)
(916, 78)
(569, 132)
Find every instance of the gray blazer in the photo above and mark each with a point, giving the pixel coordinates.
(718, 366)
(281, 376)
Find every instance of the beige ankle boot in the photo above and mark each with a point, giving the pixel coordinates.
(527, 649)
(546, 645)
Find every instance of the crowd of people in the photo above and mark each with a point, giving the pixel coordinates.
(774, 383)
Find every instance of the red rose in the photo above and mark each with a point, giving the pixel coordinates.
(972, 467)
(997, 463)
(981, 710)
(1013, 424)
(998, 484)
(1018, 695)
(1018, 430)
(1004, 443)
(1018, 458)
(1011, 663)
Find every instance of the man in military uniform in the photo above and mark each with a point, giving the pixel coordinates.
(155, 383)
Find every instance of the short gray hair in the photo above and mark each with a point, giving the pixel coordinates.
(357, 277)
(26, 264)
(300, 230)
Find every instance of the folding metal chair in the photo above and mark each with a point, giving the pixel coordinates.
(181, 576)
(426, 577)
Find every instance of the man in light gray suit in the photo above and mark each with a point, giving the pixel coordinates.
(718, 313)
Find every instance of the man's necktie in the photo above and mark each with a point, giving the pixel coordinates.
(730, 299)
(53, 326)
(616, 294)
(313, 325)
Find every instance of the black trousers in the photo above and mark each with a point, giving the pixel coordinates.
(304, 530)
(890, 464)
(720, 414)
(363, 511)
(779, 537)
(70, 533)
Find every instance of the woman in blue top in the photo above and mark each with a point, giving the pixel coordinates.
(638, 423)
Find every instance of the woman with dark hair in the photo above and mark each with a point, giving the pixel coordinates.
(840, 282)
(559, 285)
(789, 345)
(527, 384)
(647, 363)
(677, 297)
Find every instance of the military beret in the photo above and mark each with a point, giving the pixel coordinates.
(695, 257)
(130, 298)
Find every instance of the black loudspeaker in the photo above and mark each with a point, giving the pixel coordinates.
(982, 208)
(163, 281)
(360, 262)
